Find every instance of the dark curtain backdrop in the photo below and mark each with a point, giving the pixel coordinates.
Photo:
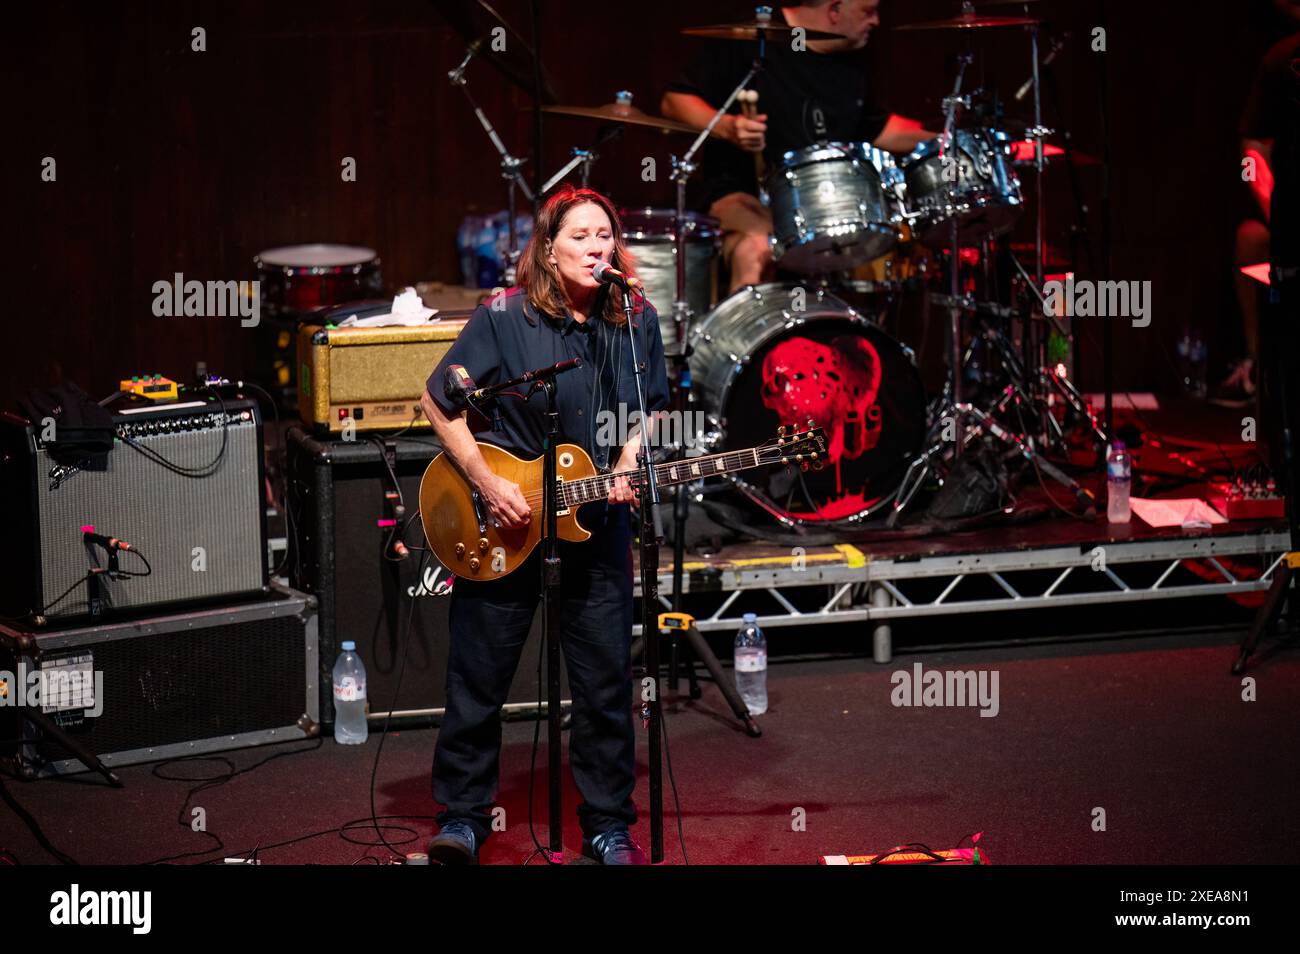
(172, 160)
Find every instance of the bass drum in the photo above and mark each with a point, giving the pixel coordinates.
(781, 354)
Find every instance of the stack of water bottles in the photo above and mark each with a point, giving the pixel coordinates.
(751, 665)
(483, 243)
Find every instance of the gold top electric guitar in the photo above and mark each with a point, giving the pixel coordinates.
(459, 527)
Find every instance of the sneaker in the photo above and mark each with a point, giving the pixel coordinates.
(455, 844)
(614, 847)
(1238, 388)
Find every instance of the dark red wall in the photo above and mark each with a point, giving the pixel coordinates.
(171, 160)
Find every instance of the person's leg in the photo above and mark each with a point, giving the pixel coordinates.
(746, 224)
(489, 626)
(1238, 388)
(597, 641)
(1251, 248)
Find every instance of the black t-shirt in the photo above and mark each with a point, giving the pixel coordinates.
(1273, 112)
(807, 96)
(501, 343)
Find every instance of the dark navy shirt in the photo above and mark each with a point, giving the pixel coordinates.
(507, 336)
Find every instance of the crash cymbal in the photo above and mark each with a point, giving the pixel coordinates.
(969, 21)
(475, 20)
(750, 29)
(621, 111)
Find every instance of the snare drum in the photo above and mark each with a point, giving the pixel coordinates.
(834, 206)
(298, 279)
(975, 184)
(648, 234)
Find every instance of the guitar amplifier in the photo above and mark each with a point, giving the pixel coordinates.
(341, 553)
(369, 379)
(183, 484)
(163, 686)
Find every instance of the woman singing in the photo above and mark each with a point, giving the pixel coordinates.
(558, 312)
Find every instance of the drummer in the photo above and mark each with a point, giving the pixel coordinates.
(804, 96)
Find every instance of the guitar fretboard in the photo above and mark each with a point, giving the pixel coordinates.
(589, 489)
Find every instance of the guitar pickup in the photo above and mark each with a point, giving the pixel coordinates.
(560, 509)
(478, 513)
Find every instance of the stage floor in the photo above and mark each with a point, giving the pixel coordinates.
(1154, 732)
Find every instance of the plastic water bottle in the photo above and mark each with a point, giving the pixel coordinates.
(350, 697)
(751, 665)
(1193, 366)
(487, 256)
(466, 243)
(1119, 477)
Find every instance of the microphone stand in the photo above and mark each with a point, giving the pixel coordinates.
(651, 533)
(552, 599)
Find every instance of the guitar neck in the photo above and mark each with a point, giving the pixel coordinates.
(675, 472)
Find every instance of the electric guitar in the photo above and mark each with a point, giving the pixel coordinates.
(459, 527)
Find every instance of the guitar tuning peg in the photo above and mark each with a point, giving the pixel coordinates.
(810, 423)
(780, 431)
(785, 460)
(813, 455)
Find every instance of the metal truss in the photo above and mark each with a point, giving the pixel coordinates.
(857, 587)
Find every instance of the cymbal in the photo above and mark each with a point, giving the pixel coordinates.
(622, 112)
(750, 29)
(475, 20)
(969, 21)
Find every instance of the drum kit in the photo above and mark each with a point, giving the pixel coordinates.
(847, 217)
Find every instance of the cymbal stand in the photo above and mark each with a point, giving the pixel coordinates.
(510, 165)
(1042, 378)
(681, 316)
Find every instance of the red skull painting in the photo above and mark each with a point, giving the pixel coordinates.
(835, 385)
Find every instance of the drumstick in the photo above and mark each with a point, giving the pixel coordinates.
(749, 106)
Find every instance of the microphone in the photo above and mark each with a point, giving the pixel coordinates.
(1057, 45)
(558, 368)
(609, 275)
(457, 386)
(88, 535)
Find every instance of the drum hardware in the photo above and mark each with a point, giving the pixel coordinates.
(510, 164)
(617, 116)
(479, 25)
(983, 423)
(581, 157)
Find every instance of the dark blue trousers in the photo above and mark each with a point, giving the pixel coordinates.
(490, 621)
